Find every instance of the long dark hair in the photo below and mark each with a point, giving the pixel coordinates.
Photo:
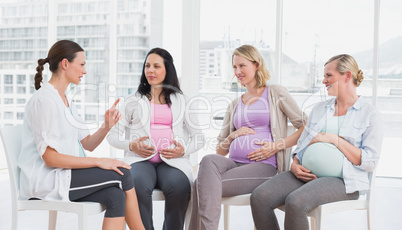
(60, 50)
(171, 83)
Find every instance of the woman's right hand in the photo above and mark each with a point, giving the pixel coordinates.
(112, 164)
(243, 131)
(301, 172)
(140, 148)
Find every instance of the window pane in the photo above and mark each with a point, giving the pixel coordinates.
(389, 99)
(312, 35)
(224, 26)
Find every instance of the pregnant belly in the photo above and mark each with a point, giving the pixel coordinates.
(243, 145)
(161, 136)
(324, 160)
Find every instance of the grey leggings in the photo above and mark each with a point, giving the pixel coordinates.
(218, 177)
(104, 186)
(298, 196)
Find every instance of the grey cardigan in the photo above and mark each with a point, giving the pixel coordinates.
(281, 106)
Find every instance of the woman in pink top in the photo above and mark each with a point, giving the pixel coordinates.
(254, 134)
(158, 140)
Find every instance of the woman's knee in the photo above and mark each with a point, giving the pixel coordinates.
(126, 179)
(294, 203)
(259, 195)
(115, 202)
(178, 188)
(210, 158)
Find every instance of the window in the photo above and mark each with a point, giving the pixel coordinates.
(90, 117)
(219, 36)
(8, 100)
(8, 79)
(8, 115)
(21, 101)
(389, 92)
(20, 115)
(8, 90)
(312, 35)
(21, 79)
(21, 90)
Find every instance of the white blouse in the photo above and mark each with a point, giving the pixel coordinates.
(48, 122)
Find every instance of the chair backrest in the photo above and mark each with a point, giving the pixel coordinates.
(12, 141)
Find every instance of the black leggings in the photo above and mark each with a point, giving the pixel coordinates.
(103, 186)
(175, 186)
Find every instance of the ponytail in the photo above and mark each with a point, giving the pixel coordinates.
(60, 50)
(38, 76)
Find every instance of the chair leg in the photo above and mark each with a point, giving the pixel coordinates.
(318, 222)
(82, 222)
(370, 220)
(14, 219)
(52, 219)
(226, 213)
(188, 216)
(312, 223)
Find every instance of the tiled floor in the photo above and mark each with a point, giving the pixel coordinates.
(387, 213)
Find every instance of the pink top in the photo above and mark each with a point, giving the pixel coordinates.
(161, 128)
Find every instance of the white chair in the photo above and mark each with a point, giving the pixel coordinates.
(240, 200)
(317, 215)
(11, 137)
(365, 202)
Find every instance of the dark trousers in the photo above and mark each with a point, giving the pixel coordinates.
(175, 186)
(104, 186)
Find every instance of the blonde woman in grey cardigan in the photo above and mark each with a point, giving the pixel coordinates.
(254, 134)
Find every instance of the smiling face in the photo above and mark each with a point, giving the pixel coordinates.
(76, 69)
(333, 80)
(244, 70)
(155, 70)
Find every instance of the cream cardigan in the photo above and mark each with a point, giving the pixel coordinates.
(281, 107)
(135, 122)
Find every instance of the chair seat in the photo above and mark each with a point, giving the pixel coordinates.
(90, 208)
(157, 195)
(240, 200)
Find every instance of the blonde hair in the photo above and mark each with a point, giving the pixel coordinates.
(253, 55)
(348, 63)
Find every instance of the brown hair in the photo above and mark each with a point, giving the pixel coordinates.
(252, 54)
(63, 49)
(348, 63)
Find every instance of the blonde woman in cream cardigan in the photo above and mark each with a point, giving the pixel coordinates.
(254, 134)
(158, 136)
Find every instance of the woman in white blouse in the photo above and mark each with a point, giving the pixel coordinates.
(158, 135)
(52, 160)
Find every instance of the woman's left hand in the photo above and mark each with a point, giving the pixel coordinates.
(112, 115)
(267, 150)
(324, 137)
(175, 152)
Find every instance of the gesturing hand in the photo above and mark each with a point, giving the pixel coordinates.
(175, 152)
(112, 164)
(140, 148)
(112, 115)
(267, 150)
